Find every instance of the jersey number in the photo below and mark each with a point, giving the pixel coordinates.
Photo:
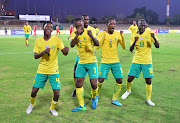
(80, 45)
(110, 44)
(141, 44)
(94, 69)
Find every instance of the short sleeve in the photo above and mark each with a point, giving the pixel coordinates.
(36, 47)
(60, 44)
(73, 34)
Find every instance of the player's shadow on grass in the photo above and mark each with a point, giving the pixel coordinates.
(44, 99)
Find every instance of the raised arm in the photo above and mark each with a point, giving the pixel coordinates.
(123, 43)
(132, 46)
(96, 42)
(100, 38)
(73, 41)
(156, 43)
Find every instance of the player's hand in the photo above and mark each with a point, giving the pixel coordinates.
(89, 33)
(47, 50)
(121, 32)
(136, 39)
(66, 49)
(152, 35)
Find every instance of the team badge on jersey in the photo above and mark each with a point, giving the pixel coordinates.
(84, 38)
(141, 39)
(79, 39)
(146, 37)
(115, 39)
(53, 47)
(110, 39)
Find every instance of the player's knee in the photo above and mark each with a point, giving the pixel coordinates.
(94, 86)
(119, 80)
(130, 78)
(148, 81)
(101, 80)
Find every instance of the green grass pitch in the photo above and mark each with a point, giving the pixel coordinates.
(18, 69)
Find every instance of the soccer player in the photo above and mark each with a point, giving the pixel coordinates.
(97, 30)
(27, 29)
(35, 28)
(85, 19)
(84, 39)
(47, 48)
(133, 28)
(57, 30)
(109, 60)
(71, 30)
(142, 59)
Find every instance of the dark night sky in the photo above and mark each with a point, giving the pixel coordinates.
(94, 8)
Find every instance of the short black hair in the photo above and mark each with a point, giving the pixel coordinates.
(139, 21)
(47, 22)
(109, 19)
(77, 19)
(84, 15)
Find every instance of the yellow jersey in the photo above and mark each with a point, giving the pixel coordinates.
(97, 31)
(88, 28)
(143, 47)
(109, 43)
(133, 28)
(85, 47)
(49, 62)
(27, 29)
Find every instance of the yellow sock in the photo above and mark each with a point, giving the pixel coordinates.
(117, 90)
(75, 82)
(128, 86)
(80, 96)
(94, 92)
(32, 100)
(53, 104)
(99, 87)
(27, 42)
(148, 91)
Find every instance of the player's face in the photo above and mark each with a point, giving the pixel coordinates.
(86, 21)
(111, 26)
(141, 26)
(26, 23)
(48, 28)
(79, 26)
(134, 22)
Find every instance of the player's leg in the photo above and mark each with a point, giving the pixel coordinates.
(80, 76)
(118, 75)
(148, 74)
(54, 80)
(134, 71)
(103, 74)
(75, 66)
(92, 71)
(39, 82)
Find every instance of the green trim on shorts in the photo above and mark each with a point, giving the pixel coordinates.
(40, 81)
(83, 69)
(135, 70)
(115, 68)
(27, 35)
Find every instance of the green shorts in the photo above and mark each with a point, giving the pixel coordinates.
(115, 68)
(77, 60)
(40, 81)
(147, 70)
(82, 70)
(27, 35)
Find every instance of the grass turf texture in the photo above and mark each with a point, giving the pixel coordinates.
(18, 69)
